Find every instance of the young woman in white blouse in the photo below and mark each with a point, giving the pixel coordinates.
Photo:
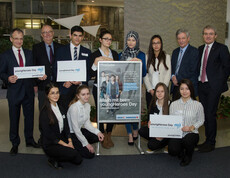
(54, 128)
(193, 117)
(158, 67)
(82, 131)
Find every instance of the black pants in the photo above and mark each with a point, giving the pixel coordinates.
(92, 138)
(209, 99)
(153, 143)
(175, 93)
(62, 153)
(185, 145)
(148, 99)
(27, 103)
(109, 127)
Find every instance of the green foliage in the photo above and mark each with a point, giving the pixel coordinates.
(93, 114)
(28, 42)
(224, 107)
(5, 44)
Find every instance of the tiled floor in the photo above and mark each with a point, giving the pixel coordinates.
(119, 134)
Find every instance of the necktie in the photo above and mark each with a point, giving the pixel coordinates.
(179, 61)
(75, 53)
(20, 59)
(51, 54)
(203, 74)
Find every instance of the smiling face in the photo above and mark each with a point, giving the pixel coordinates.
(160, 93)
(182, 40)
(131, 42)
(47, 34)
(184, 91)
(209, 36)
(106, 40)
(156, 44)
(53, 95)
(17, 39)
(76, 38)
(84, 95)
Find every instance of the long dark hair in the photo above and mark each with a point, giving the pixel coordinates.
(190, 87)
(151, 55)
(165, 107)
(77, 93)
(47, 105)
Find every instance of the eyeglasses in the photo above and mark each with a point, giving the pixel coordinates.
(47, 32)
(157, 43)
(17, 39)
(107, 39)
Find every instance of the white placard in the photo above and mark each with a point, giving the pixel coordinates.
(166, 126)
(29, 72)
(71, 71)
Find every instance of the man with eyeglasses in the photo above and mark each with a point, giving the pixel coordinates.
(20, 91)
(44, 55)
(72, 51)
(214, 69)
(184, 63)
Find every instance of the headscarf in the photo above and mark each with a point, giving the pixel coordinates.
(128, 52)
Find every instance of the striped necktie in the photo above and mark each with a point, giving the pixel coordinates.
(179, 62)
(203, 74)
(75, 53)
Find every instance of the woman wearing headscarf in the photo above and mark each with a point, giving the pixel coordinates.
(132, 52)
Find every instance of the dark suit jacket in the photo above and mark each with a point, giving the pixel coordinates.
(50, 134)
(218, 66)
(188, 66)
(40, 58)
(16, 91)
(64, 54)
(96, 54)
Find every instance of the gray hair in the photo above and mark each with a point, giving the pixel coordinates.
(209, 27)
(16, 30)
(181, 30)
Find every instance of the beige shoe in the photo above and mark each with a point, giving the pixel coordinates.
(104, 143)
(110, 142)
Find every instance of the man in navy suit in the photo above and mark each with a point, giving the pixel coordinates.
(72, 51)
(184, 63)
(214, 69)
(44, 55)
(20, 91)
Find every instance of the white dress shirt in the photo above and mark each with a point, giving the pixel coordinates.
(79, 116)
(58, 115)
(15, 50)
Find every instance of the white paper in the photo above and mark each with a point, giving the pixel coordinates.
(29, 72)
(166, 126)
(71, 71)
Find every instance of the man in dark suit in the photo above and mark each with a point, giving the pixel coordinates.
(20, 91)
(214, 69)
(184, 63)
(72, 51)
(44, 55)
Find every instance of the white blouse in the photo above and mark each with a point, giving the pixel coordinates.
(192, 112)
(58, 115)
(79, 116)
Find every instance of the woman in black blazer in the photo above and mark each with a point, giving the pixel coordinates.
(104, 53)
(55, 134)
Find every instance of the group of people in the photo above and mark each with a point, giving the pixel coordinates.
(64, 122)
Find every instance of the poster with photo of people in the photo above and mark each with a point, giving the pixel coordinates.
(119, 91)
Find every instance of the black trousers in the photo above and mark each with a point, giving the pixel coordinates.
(153, 143)
(175, 93)
(109, 127)
(148, 99)
(41, 98)
(27, 103)
(209, 99)
(92, 138)
(185, 145)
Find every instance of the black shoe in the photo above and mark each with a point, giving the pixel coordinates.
(186, 161)
(135, 138)
(40, 142)
(201, 145)
(207, 148)
(130, 143)
(54, 164)
(33, 144)
(14, 151)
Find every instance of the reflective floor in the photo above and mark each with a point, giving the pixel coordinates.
(119, 135)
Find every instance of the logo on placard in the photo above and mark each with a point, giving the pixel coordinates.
(78, 69)
(40, 70)
(177, 125)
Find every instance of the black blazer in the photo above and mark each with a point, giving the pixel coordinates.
(50, 134)
(16, 91)
(64, 54)
(40, 58)
(188, 66)
(96, 54)
(218, 66)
